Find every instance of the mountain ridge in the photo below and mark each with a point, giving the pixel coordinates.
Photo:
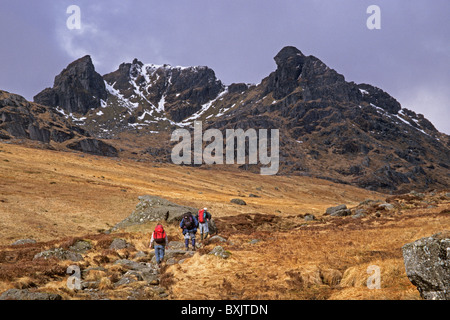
(330, 128)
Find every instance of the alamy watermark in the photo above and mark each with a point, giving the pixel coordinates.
(74, 20)
(374, 20)
(374, 281)
(74, 281)
(235, 151)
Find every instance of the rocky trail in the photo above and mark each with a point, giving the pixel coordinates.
(253, 256)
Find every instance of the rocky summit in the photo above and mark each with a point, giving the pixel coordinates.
(77, 89)
(329, 127)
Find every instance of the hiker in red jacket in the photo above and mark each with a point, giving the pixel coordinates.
(160, 242)
(203, 218)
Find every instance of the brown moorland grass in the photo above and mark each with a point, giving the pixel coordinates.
(301, 263)
(48, 194)
(59, 197)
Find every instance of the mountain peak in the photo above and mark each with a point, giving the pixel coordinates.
(86, 60)
(77, 88)
(288, 53)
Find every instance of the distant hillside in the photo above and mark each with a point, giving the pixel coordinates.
(21, 119)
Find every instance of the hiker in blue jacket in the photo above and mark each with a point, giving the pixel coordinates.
(189, 225)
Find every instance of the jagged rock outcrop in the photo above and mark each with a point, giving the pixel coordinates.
(173, 92)
(341, 131)
(77, 89)
(21, 119)
(427, 264)
(93, 146)
(154, 208)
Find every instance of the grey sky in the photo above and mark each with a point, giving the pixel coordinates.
(409, 57)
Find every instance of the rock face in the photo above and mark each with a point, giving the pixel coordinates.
(77, 89)
(93, 146)
(174, 93)
(21, 119)
(338, 130)
(427, 264)
(154, 208)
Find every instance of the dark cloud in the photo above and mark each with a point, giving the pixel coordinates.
(409, 57)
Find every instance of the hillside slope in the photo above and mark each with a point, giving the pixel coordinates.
(67, 201)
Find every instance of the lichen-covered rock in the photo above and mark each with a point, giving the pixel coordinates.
(238, 201)
(220, 252)
(59, 254)
(154, 208)
(427, 264)
(118, 244)
(22, 242)
(23, 294)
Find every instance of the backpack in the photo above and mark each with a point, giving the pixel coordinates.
(159, 234)
(201, 216)
(188, 221)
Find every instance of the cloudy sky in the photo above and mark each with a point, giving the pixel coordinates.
(409, 57)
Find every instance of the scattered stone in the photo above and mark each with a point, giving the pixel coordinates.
(24, 294)
(416, 194)
(140, 254)
(81, 246)
(59, 254)
(338, 211)
(216, 238)
(309, 217)
(130, 264)
(239, 202)
(369, 202)
(332, 210)
(176, 245)
(254, 241)
(220, 252)
(126, 279)
(427, 264)
(22, 242)
(118, 244)
(359, 213)
(251, 195)
(176, 252)
(386, 206)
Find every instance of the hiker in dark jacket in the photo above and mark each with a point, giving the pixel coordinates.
(189, 225)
